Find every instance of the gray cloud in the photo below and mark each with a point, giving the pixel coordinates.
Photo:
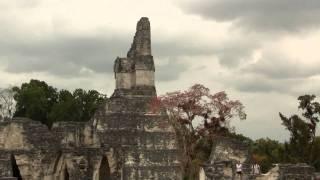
(72, 56)
(260, 15)
(229, 53)
(180, 46)
(277, 66)
(67, 55)
(77, 56)
(170, 71)
(260, 84)
(234, 53)
(276, 73)
(62, 55)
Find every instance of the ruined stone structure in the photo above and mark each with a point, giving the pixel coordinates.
(136, 72)
(124, 140)
(290, 172)
(226, 152)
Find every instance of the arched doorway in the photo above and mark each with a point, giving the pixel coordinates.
(104, 170)
(15, 168)
(66, 174)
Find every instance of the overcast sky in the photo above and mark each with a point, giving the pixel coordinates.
(263, 52)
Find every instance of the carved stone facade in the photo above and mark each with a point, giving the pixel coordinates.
(136, 71)
(290, 172)
(124, 140)
(226, 152)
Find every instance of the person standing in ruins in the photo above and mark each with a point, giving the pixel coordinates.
(255, 169)
(239, 170)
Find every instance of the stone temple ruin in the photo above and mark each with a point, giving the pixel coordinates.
(227, 151)
(224, 154)
(124, 140)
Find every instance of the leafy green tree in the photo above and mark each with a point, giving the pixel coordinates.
(315, 155)
(65, 109)
(267, 152)
(41, 102)
(88, 102)
(241, 138)
(79, 106)
(35, 100)
(303, 140)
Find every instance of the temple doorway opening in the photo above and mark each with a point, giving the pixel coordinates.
(104, 170)
(66, 174)
(15, 168)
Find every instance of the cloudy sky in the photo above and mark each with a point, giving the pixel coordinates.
(263, 52)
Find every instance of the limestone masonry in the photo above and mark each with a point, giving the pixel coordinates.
(226, 152)
(123, 141)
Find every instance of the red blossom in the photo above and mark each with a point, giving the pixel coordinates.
(213, 111)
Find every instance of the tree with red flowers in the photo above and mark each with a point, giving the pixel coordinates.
(196, 114)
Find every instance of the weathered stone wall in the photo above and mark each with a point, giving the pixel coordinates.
(137, 69)
(124, 80)
(123, 141)
(76, 134)
(29, 145)
(124, 73)
(144, 78)
(5, 164)
(226, 152)
(289, 172)
(296, 171)
(142, 39)
(70, 151)
(147, 141)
